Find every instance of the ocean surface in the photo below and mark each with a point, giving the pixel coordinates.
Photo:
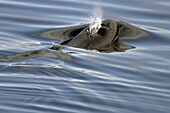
(35, 79)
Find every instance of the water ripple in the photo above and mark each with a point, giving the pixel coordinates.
(34, 78)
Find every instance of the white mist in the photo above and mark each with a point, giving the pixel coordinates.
(95, 20)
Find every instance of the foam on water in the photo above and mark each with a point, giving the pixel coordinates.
(95, 20)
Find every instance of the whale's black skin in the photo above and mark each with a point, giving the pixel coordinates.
(105, 36)
(106, 39)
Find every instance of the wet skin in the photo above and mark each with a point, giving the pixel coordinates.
(106, 39)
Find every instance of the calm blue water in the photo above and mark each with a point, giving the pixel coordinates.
(80, 81)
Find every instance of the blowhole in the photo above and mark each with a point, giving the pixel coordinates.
(102, 31)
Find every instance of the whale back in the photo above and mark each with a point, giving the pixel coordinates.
(100, 39)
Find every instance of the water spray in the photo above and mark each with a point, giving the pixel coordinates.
(95, 20)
